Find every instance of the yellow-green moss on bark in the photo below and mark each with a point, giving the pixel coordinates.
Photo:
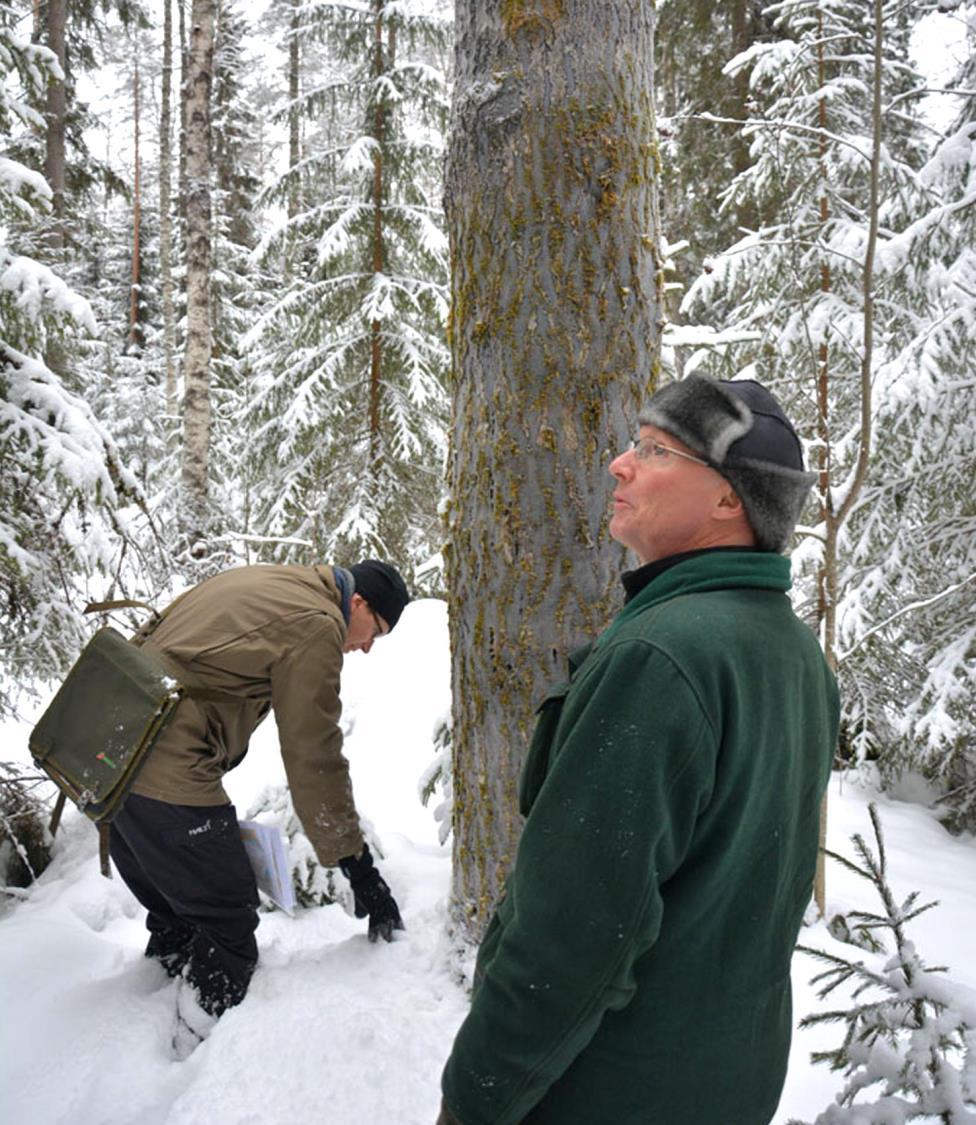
(554, 338)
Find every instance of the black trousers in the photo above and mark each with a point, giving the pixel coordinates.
(187, 866)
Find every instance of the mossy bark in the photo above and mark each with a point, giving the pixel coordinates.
(555, 340)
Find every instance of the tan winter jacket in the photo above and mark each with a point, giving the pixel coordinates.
(272, 636)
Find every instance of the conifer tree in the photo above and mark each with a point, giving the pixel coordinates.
(240, 289)
(703, 107)
(349, 401)
(124, 374)
(61, 483)
(909, 1046)
(895, 576)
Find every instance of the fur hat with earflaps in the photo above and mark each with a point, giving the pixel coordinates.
(741, 431)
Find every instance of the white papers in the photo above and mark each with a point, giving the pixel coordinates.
(266, 852)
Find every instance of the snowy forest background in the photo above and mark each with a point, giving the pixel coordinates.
(225, 328)
(227, 335)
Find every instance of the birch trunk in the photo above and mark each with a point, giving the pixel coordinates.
(196, 394)
(555, 340)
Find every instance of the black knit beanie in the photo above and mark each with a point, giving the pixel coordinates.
(740, 429)
(381, 585)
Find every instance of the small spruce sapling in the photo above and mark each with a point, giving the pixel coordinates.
(314, 884)
(909, 1032)
(440, 775)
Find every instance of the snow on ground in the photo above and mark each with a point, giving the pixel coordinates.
(336, 1030)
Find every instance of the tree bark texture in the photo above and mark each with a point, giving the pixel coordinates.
(165, 213)
(135, 302)
(184, 81)
(54, 156)
(380, 67)
(555, 341)
(196, 393)
(294, 116)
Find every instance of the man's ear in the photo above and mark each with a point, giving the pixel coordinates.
(728, 506)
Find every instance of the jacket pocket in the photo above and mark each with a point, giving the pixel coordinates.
(536, 766)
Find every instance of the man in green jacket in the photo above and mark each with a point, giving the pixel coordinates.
(260, 638)
(637, 968)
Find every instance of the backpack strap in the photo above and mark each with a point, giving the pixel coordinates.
(104, 843)
(209, 695)
(55, 821)
(122, 603)
(200, 694)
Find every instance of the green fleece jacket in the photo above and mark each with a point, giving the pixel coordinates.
(637, 967)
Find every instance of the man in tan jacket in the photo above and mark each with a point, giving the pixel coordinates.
(259, 638)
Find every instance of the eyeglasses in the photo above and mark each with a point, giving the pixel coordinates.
(380, 631)
(648, 448)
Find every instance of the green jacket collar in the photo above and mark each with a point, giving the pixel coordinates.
(713, 570)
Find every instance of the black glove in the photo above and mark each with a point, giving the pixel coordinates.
(371, 895)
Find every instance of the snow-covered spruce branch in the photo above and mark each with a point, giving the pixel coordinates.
(924, 603)
(908, 1031)
(773, 123)
(278, 540)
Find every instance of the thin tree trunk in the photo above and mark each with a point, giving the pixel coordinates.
(294, 119)
(743, 32)
(292, 246)
(555, 339)
(834, 520)
(184, 80)
(827, 578)
(196, 397)
(375, 328)
(55, 160)
(135, 303)
(165, 215)
(54, 156)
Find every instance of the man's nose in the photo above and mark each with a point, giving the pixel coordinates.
(621, 464)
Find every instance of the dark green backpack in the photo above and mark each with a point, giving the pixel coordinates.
(107, 715)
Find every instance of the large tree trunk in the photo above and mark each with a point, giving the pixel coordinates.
(165, 214)
(555, 335)
(196, 395)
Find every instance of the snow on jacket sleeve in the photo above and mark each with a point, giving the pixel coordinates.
(305, 698)
(630, 766)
